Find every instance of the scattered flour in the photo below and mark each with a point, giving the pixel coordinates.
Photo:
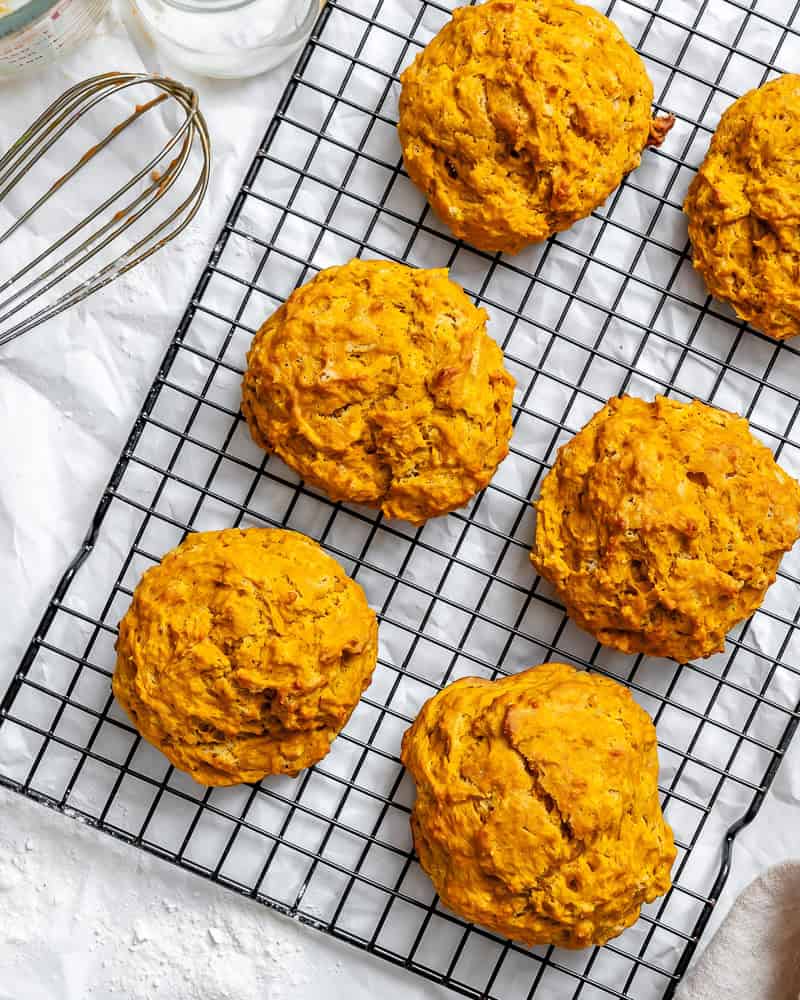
(84, 917)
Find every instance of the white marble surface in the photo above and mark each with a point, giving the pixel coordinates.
(73, 388)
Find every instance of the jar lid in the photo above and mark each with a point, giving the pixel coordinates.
(208, 6)
(23, 16)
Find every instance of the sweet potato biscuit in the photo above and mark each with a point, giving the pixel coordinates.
(744, 209)
(244, 653)
(661, 525)
(521, 117)
(537, 811)
(379, 385)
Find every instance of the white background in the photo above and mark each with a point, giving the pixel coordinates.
(68, 395)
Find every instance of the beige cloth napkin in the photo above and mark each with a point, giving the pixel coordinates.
(755, 954)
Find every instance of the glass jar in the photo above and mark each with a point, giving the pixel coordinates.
(35, 32)
(228, 38)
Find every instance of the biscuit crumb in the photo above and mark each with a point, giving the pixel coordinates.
(659, 128)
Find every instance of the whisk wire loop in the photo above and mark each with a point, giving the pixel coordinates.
(26, 284)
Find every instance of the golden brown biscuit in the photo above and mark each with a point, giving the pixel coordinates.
(244, 653)
(379, 385)
(744, 209)
(537, 811)
(521, 117)
(661, 525)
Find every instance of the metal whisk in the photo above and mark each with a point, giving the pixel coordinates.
(117, 213)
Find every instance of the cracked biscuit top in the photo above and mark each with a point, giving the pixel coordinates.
(744, 208)
(661, 525)
(244, 653)
(537, 810)
(521, 117)
(379, 384)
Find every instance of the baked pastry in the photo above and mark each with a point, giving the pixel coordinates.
(244, 653)
(744, 209)
(537, 810)
(661, 525)
(521, 117)
(379, 384)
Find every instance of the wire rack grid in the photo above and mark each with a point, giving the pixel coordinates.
(611, 306)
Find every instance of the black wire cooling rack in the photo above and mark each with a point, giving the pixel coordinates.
(611, 306)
